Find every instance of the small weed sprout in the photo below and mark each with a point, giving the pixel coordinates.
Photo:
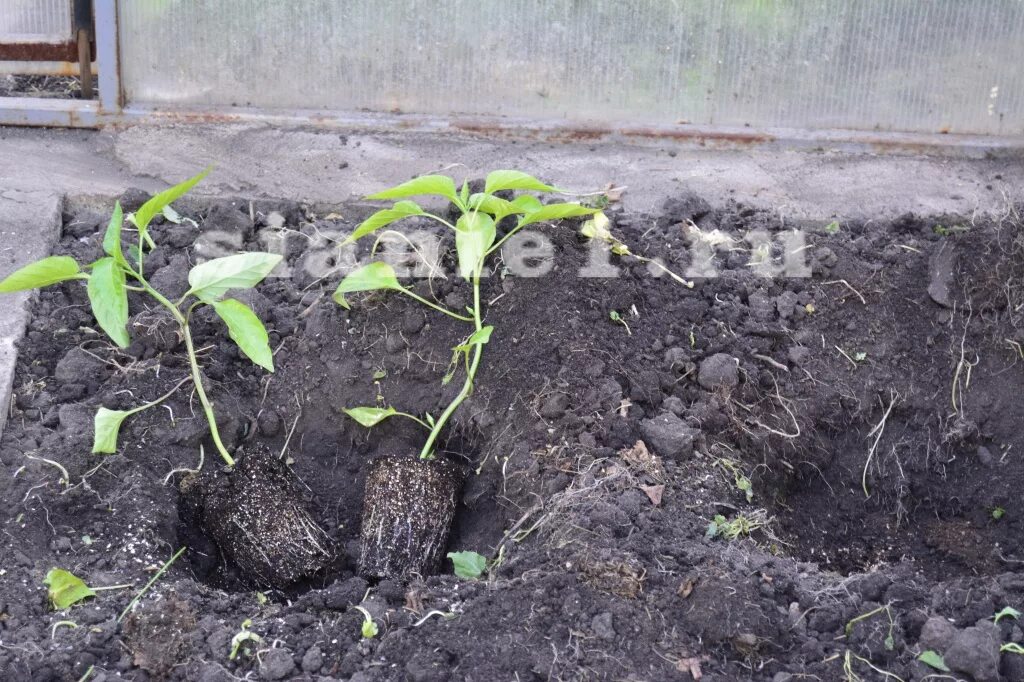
(476, 239)
(890, 643)
(738, 527)
(369, 628)
(243, 636)
(998, 513)
(107, 283)
(742, 483)
(615, 317)
(1006, 612)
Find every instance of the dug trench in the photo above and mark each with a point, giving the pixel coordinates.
(860, 422)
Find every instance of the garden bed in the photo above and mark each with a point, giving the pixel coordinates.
(863, 422)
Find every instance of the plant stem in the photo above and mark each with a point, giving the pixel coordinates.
(148, 585)
(436, 307)
(414, 418)
(467, 386)
(197, 379)
(504, 239)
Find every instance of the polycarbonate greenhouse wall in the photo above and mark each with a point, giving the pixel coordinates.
(23, 21)
(902, 65)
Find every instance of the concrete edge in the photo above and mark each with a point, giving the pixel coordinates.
(33, 230)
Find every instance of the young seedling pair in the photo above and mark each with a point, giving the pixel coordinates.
(398, 488)
(109, 279)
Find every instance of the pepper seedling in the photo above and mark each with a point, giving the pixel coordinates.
(107, 283)
(476, 238)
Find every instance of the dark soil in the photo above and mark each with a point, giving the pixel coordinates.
(597, 458)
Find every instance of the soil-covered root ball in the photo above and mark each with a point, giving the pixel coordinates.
(258, 517)
(408, 510)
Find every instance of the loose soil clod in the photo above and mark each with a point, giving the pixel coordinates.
(408, 511)
(258, 518)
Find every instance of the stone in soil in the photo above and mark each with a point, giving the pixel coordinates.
(975, 652)
(669, 435)
(718, 371)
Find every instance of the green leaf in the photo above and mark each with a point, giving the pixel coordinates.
(112, 237)
(440, 185)
(369, 629)
(109, 299)
(212, 279)
(469, 565)
(464, 193)
(1007, 612)
(370, 277)
(513, 179)
(370, 416)
(832, 227)
(156, 205)
(241, 637)
(65, 588)
(246, 330)
(401, 209)
(497, 207)
(135, 253)
(556, 212)
(526, 203)
(474, 234)
(477, 338)
(106, 426)
(42, 273)
(930, 658)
